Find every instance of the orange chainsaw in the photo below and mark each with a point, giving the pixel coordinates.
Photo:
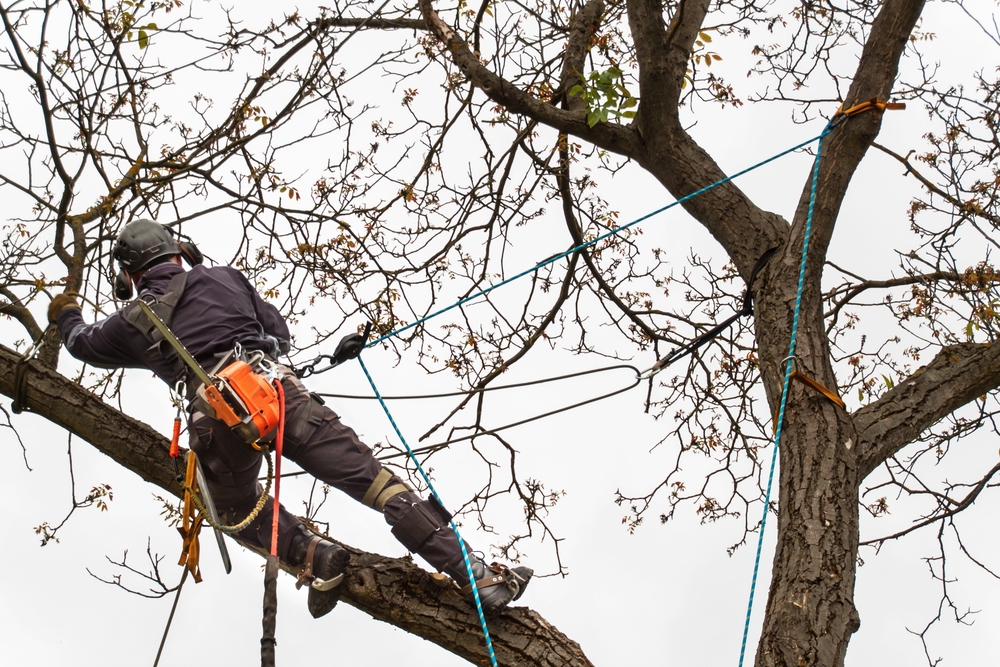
(244, 400)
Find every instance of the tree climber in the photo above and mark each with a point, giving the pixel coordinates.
(218, 316)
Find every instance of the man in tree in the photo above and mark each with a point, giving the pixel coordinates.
(219, 317)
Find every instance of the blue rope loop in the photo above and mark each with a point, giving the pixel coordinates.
(788, 367)
(434, 493)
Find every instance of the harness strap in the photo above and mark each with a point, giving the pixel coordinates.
(164, 308)
(496, 574)
(306, 575)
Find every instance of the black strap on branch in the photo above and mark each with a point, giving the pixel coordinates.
(20, 392)
(747, 309)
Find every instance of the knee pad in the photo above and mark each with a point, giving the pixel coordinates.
(420, 522)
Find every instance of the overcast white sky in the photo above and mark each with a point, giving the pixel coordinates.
(666, 595)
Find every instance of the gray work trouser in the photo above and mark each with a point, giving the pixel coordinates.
(323, 446)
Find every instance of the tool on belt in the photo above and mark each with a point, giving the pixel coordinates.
(242, 399)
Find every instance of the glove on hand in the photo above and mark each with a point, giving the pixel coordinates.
(61, 302)
(350, 346)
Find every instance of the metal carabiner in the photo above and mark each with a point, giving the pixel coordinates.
(790, 359)
(267, 369)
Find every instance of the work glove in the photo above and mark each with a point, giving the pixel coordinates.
(61, 302)
(350, 346)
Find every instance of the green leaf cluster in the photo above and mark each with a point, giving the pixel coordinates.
(606, 96)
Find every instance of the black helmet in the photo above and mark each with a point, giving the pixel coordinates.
(140, 244)
(142, 241)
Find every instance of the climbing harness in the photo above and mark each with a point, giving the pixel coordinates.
(236, 395)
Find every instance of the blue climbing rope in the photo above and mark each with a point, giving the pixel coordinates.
(433, 491)
(784, 389)
(594, 241)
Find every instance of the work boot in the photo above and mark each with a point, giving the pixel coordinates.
(323, 565)
(498, 585)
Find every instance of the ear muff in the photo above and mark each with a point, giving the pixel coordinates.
(123, 286)
(190, 253)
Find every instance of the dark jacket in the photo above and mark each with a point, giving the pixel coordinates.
(219, 308)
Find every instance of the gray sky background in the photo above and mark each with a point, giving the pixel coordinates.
(665, 595)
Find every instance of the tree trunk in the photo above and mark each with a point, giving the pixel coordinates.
(810, 609)
(810, 614)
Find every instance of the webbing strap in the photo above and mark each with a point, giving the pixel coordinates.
(389, 493)
(495, 575)
(164, 308)
(874, 104)
(190, 524)
(381, 479)
(815, 384)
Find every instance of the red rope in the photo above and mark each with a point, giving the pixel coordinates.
(278, 441)
(175, 441)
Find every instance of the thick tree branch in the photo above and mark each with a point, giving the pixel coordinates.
(672, 155)
(393, 590)
(844, 149)
(611, 136)
(958, 375)
(583, 24)
(374, 23)
(663, 55)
